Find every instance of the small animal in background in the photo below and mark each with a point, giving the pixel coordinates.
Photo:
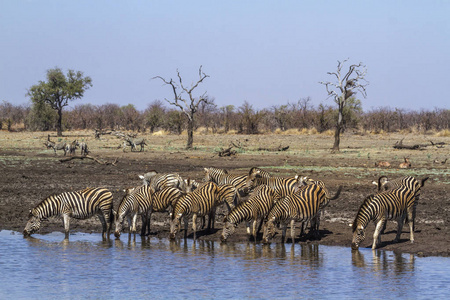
(406, 164)
(382, 164)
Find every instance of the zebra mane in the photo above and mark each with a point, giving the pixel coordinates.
(366, 201)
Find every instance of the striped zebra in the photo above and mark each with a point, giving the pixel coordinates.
(410, 182)
(393, 204)
(221, 176)
(161, 201)
(81, 204)
(84, 149)
(302, 206)
(316, 221)
(201, 202)
(158, 181)
(227, 194)
(283, 186)
(137, 201)
(256, 207)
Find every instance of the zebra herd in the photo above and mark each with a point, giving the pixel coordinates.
(67, 148)
(256, 196)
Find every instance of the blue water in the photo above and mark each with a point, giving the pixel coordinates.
(48, 267)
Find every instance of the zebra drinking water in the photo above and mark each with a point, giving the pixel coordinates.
(388, 205)
(79, 205)
(301, 206)
(410, 182)
(137, 201)
(256, 207)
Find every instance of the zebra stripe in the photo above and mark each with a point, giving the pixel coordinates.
(201, 202)
(256, 207)
(137, 201)
(410, 182)
(158, 181)
(81, 204)
(304, 205)
(221, 177)
(283, 186)
(388, 205)
(161, 201)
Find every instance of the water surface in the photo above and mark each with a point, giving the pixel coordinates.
(47, 266)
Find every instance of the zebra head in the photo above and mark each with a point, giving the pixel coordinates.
(358, 236)
(268, 230)
(118, 223)
(228, 229)
(33, 225)
(175, 225)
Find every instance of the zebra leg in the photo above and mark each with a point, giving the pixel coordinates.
(133, 224)
(283, 233)
(185, 227)
(400, 222)
(66, 223)
(248, 229)
(293, 231)
(411, 225)
(148, 223)
(105, 226)
(144, 224)
(254, 229)
(377, 233)
(194, 225)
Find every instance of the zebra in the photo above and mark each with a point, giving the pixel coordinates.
(256, 207)
(161, 201)
(283, 186)
(81, 204)
(227, 194)
(84, 149)
(316, 221)
(137, 201)
(303, 205)
(133, 143)
(221, 176)
(387, 205)
(201, 202)
(158, 181)
(55, 147)
(410, 182)
(70, 148)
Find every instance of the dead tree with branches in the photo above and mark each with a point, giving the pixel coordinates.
(188, 106)
(345, 86)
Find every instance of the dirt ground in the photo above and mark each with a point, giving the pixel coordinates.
(30, 173)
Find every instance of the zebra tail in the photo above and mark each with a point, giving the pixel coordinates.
(338, 193)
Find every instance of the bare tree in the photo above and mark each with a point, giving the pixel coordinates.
(190, 106)
(345, 86)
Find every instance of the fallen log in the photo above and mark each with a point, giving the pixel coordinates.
(276, 149)
(66, 159)
(227, 152)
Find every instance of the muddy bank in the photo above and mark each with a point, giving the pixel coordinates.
(30, 176)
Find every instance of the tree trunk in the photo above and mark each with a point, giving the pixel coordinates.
(337, 133)
(190, 132)
(59, 123)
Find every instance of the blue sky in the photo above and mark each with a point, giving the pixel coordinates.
(264, 52)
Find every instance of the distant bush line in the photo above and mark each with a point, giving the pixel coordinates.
(297, 117)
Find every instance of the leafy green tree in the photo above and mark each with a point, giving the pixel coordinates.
(154, 115)
(58, 90)
(41, 117)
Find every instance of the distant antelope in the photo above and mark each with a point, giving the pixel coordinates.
(382, 164)
(406, 164)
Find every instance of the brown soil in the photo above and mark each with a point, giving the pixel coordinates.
(30, 173)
